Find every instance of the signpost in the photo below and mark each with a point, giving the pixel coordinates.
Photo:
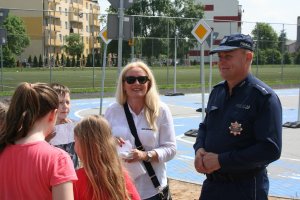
(201, 31)
(103, 35)
(120, 5)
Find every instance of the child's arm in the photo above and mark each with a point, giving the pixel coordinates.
(63, 191)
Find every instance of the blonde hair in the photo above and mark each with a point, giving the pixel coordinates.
(152, 102)
(100, 159)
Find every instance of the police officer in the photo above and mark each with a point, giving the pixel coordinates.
(241, 133)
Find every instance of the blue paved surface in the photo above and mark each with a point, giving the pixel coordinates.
(284, 174)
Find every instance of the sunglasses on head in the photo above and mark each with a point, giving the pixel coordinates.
(132, 79)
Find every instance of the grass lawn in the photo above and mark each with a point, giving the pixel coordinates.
(89, 79)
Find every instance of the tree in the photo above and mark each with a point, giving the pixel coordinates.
(297, 57)
(40, 61)
(282, 41)
(29, 60)
(273, 56)
(17, 39)
(35, 62)
(287, 58)
(265, 36)
(68, 63)
(157, 27)
(74, 46)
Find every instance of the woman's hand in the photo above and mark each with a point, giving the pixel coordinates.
(137, 155)
(119, 141)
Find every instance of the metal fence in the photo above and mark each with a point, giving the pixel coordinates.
(153, 40)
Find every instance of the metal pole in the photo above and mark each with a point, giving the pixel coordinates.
(168, 54)
(93, 49)
(175, 59)
(202, 81)
(210, 60)
(132, 45)
(120, 41)
(103, 78)
(282, 52)
(1, 67)
(50, 59)
(299, 105)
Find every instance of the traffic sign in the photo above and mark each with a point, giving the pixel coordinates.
(113, 27)
(201, 31)
(116, 3)
(103, 35)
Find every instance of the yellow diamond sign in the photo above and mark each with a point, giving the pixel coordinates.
(201, 31)
(103, 35)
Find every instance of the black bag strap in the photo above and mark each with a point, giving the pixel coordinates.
(139, 146)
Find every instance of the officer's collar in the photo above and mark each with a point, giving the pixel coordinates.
(241, 84)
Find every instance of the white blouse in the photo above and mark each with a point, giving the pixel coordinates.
(162, 141)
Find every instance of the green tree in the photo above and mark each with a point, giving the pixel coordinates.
(150, 29)
(29, 60)
(74, 46)
(35, 62)
(282, 42)
(40, 61)
(17, 39)
(287, 58)
(57, 60)
(265, 36)
(62, 60)
(273, 56)
(68, 63)
(297, 57)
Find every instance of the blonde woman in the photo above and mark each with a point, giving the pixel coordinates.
(102, 176)
(153, 121)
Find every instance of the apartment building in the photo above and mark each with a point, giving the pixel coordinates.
(48, 22)
(224, 17)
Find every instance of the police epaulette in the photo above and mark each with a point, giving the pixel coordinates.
(262, 89)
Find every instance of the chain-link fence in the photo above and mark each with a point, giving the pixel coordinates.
(61, 44)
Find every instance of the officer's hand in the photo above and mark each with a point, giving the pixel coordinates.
(198, 162)
(211, 162)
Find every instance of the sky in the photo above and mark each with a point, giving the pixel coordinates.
(275, 12)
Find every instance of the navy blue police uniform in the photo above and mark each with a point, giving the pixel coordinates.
(244, 129)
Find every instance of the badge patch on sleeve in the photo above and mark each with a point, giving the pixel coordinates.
(235, 128)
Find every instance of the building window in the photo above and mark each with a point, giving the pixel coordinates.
(66, 25)
(87, 16)
(66, 12)
(60, 10)
(87, 28)
(86, 5)
(60, 38)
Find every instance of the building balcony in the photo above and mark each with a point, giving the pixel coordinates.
(53, 27)
(93, 20)
(74, 17)
(53, 14)
(53, 42)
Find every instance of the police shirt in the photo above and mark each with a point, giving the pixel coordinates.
(243, 128)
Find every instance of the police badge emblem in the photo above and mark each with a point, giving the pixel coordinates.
(235, 128)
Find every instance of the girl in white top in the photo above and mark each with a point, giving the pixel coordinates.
(153, 121)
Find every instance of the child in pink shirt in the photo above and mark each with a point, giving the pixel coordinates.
(30, 168)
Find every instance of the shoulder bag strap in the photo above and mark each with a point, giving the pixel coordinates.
(140, 147)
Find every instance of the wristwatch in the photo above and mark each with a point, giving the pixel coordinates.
(149, 156)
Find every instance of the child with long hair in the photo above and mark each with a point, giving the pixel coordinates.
(30, 168)
(102, 176)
